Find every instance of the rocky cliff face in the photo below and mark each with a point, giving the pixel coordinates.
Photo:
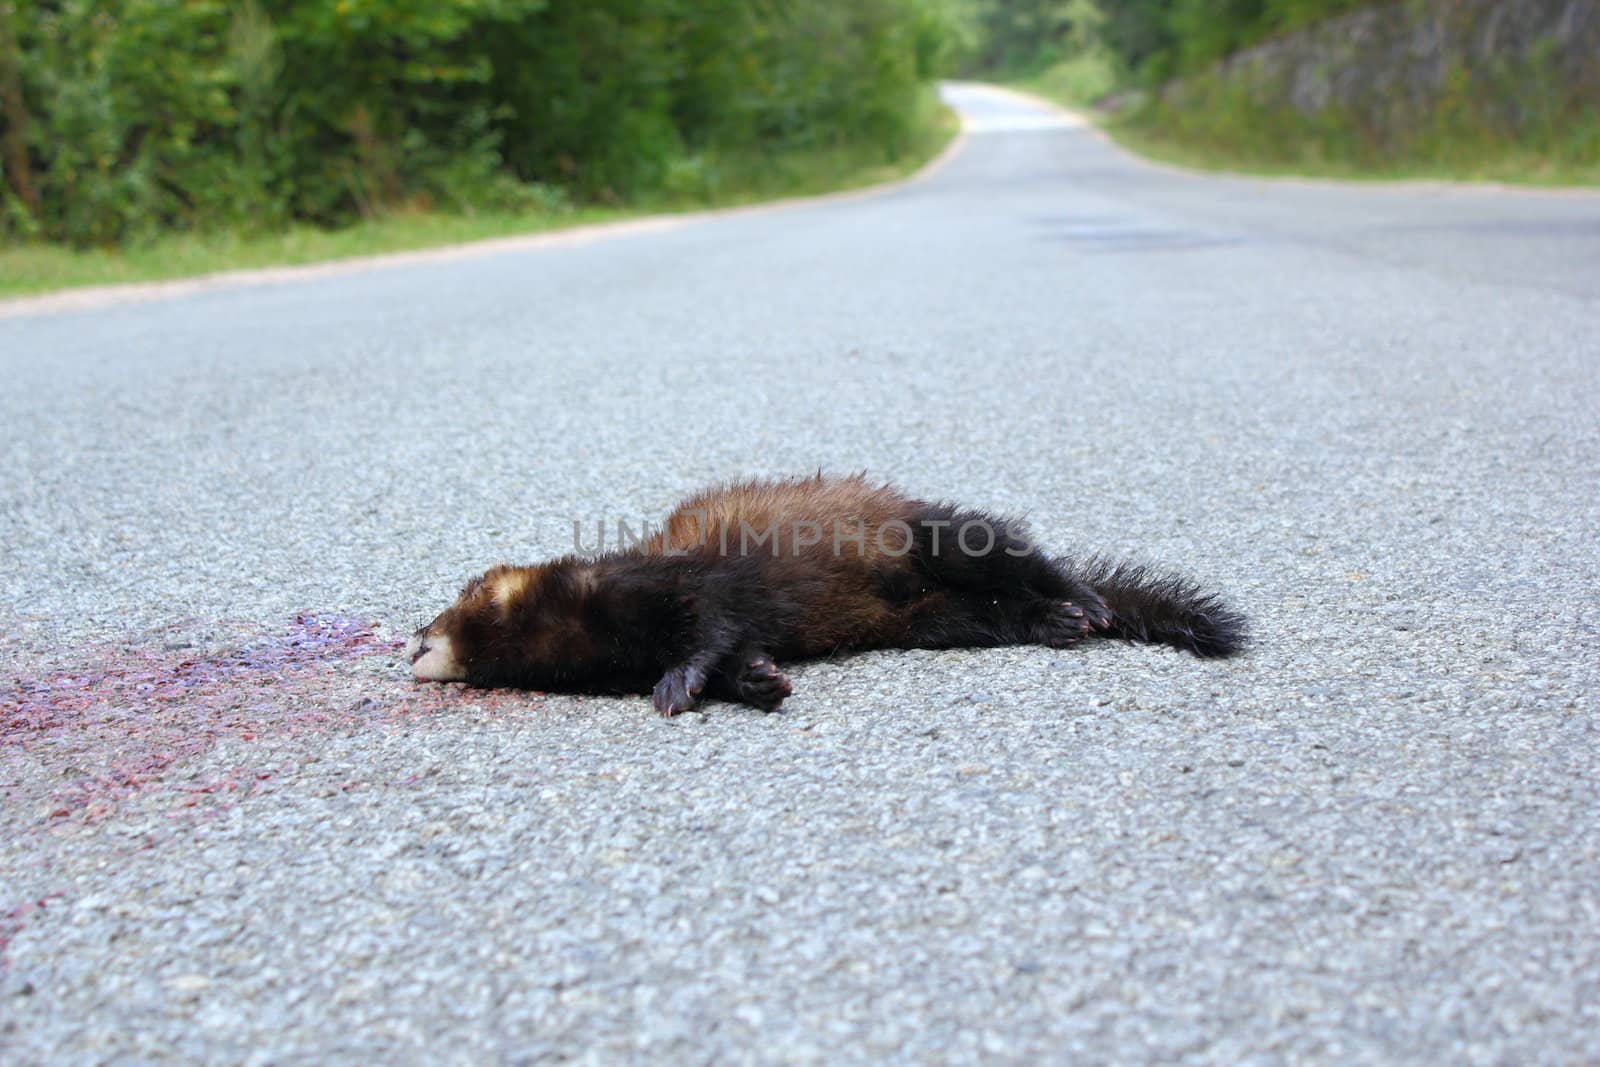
(1390, 65)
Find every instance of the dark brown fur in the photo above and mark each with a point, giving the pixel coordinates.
(746, 575)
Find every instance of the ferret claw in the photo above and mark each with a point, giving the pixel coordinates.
(677, 690)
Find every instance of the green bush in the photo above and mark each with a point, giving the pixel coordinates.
(124, 118)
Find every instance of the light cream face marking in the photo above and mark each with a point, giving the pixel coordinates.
(432, 660)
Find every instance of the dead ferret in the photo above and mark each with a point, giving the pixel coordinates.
(745, 576)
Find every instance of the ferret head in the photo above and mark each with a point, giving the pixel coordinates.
(509, 626)
(445, 650)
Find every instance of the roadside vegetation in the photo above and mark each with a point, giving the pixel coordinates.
(1167, 78)
(147, 139)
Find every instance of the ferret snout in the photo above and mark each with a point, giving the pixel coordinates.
(432, 658)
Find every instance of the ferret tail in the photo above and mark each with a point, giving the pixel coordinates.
(1159, 607)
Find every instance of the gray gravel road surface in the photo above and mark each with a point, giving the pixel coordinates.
(234, 831)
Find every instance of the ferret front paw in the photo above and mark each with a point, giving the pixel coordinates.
(678, 689)
(761, 684)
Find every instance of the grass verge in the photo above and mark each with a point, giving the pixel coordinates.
(32, 268)
(1506, 127)
(696, 184)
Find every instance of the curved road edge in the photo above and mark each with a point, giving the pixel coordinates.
(90, 297)
(1089, 121)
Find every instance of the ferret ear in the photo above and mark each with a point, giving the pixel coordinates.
(507, 585)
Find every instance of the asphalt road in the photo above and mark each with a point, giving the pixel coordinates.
(233, 830)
